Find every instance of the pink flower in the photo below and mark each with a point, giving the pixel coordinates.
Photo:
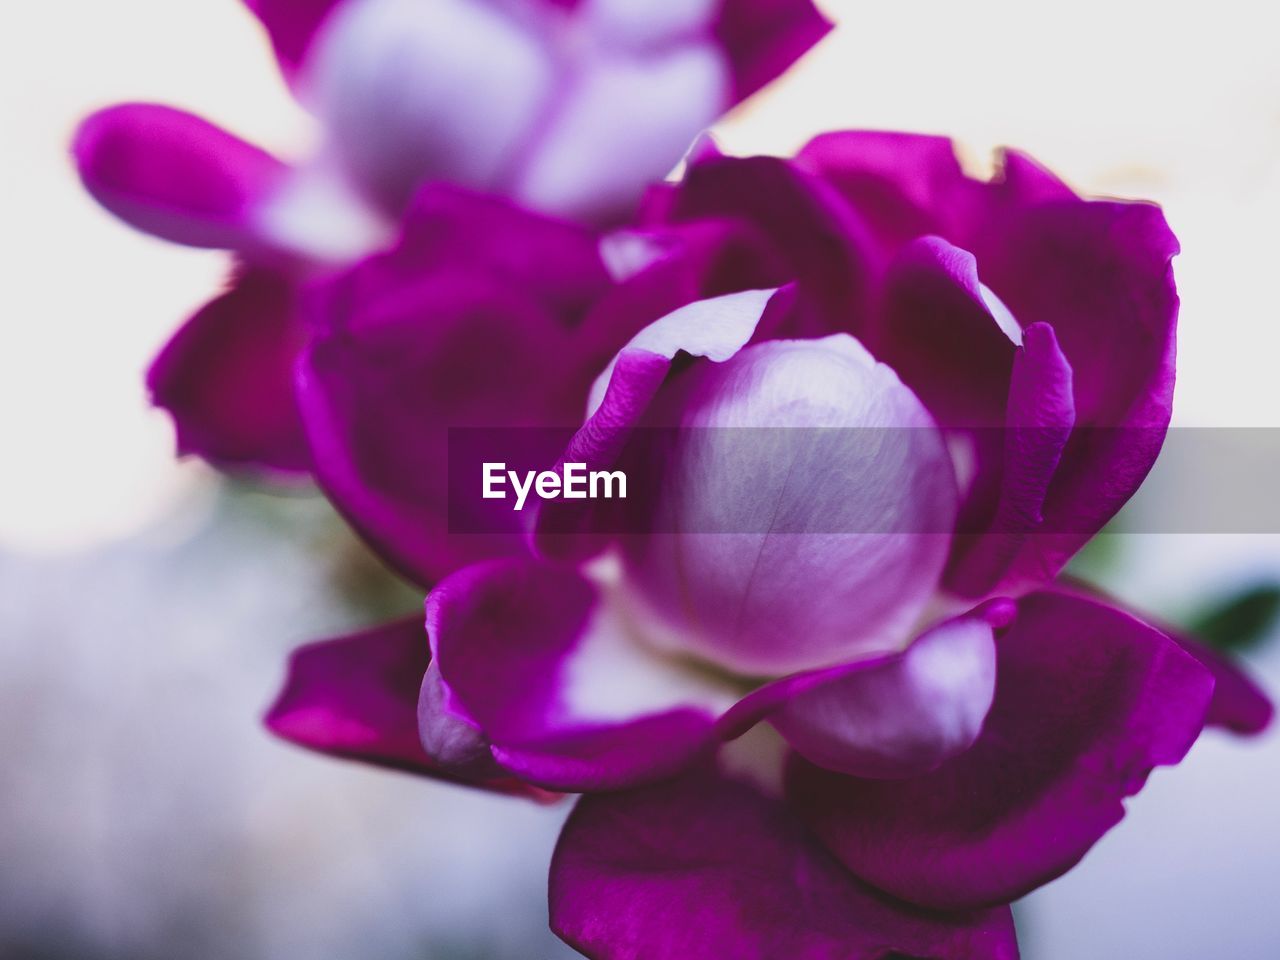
(817, 677)
(568, 108)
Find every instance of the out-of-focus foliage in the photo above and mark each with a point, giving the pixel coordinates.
(1240, 621)
(1100, 557)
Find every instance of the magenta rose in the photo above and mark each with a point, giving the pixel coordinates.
(569, 108)
(819, 705)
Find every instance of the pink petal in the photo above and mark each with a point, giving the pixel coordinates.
(705, 866)
(454, 327)
(1039, 421)
(762, 38)
(1088, 701)
(356, 698)
(543, 667)
(1239, 703)
(621, 125)
(899, 716)
(814, 500)
(1097, 272)
(175, 175)
(291, 25)
(410, 93)
(1100, 274)
(226, 377)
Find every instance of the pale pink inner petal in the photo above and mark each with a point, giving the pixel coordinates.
(414, 91)
(626, 253)
(716, 328)
(448, 736)
(640, 23)
(616, 675)
(1002, 315)
(571, 112)
(316, 213)
(903, 717)
(803, 548)
(623, 122)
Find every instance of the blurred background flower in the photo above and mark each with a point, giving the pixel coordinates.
(145, 605)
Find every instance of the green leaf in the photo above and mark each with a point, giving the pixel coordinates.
(1241, 621)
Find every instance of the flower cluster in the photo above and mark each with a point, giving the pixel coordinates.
(819, 681)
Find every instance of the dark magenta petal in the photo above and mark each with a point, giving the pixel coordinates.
(447, 226)
(762, 38)
(1038, 424)
(937, 331)
(175, 175)
(1088, 701)
(705, 866)
(1239, 703)
(907, 185)
(818, 240)
(1100, 275)
(356, 698)
(291, 25)
(378, 400)
(1096, 272)
(936, 328)
(1005, 393)
(542, 664)
(226, 377)
(458, 326)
